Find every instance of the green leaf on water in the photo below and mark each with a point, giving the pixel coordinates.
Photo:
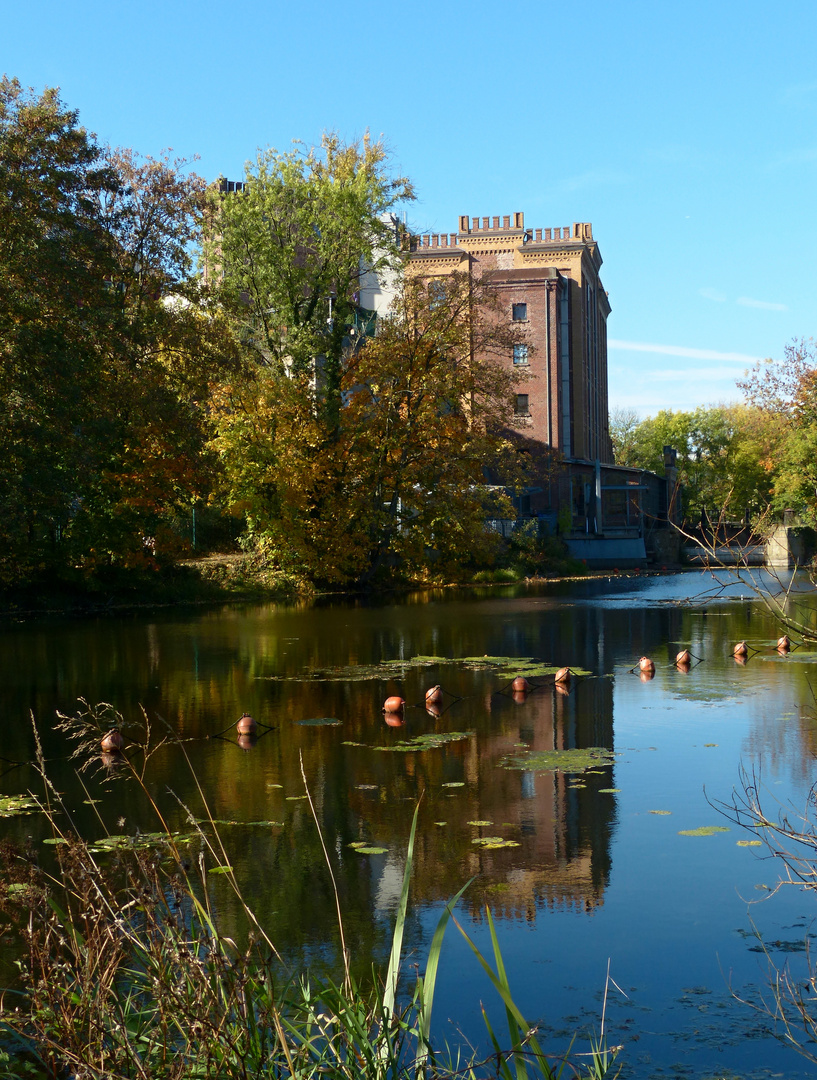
(319, 721)
(11, 805)
(480, 823)
(455, 783)
(703, 830)
(493, 842)
(55, 840)
(429, 741)
(366, 850)
(296, 798)
(567, 761)
(612, 791)
(660, 811)
(440, 822)
(710, 744)
(220, 869)
(358, 843)
(750, 843)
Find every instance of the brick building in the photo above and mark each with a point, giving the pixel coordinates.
(548, 282)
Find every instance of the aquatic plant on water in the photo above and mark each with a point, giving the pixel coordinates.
(126, 973)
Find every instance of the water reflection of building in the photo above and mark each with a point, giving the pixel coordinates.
(563, 829)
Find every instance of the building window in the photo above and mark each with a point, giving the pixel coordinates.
(520, 312)
(520, 354)
(436, 295)
(521, 406)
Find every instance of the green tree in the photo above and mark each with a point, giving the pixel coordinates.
(723, 455)
(292, 246)
(784, 393)
(400, 482)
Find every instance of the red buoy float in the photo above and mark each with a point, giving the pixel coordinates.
(646, 665)
(783, 643)
(520, 685)
(112, 741)
(393, 704)
(683, 658)
(434, 695)
(563, 675)
(741, 649)
(246, 725)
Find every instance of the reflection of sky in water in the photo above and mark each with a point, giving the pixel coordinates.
(596, 874)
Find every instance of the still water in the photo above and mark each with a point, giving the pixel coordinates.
(598, 868)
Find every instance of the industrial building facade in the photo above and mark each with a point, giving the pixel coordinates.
(548, 284)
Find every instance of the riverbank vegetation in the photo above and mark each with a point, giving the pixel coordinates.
(189, 370)
(126, 973)
(756, 456)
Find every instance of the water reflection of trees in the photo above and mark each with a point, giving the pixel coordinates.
(201, 671)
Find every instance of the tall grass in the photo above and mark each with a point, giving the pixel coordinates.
(125, 973)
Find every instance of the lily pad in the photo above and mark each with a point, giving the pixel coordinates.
(440, 822)
(12, 805)
(750, 843)
(703, 830)
(455, 783)
(492, 842)
(480, 824)
(609, 790)
(296, 798)
(220, 870)
(140, 842)
(366, 850)
(566, 761)
(224, 821)
(429, 741)
(660, 811)
(366, 787)
(319, 721)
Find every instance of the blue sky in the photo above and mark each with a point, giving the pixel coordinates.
(686, 133)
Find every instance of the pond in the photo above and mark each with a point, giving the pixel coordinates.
(618, 862)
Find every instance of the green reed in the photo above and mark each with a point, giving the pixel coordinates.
(124, 973)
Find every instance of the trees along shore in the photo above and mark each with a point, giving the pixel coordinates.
(152, 412)
(758, 455)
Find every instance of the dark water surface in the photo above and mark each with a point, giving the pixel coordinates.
(597, 872)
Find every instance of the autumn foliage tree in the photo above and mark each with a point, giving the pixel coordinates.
(401, 482)
(104, 360)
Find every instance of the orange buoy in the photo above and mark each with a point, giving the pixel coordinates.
(682, 667)
(563, 675)
(394, 719)
(741, 649)
(520, 685)
(683, 657)
(112, 741)
(393, 704)
(783, 643)
(645, 664)
(246, 725)
(434, 695)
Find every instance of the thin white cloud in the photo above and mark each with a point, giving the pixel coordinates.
(713, 294)
(763, 305)
(681, 350)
